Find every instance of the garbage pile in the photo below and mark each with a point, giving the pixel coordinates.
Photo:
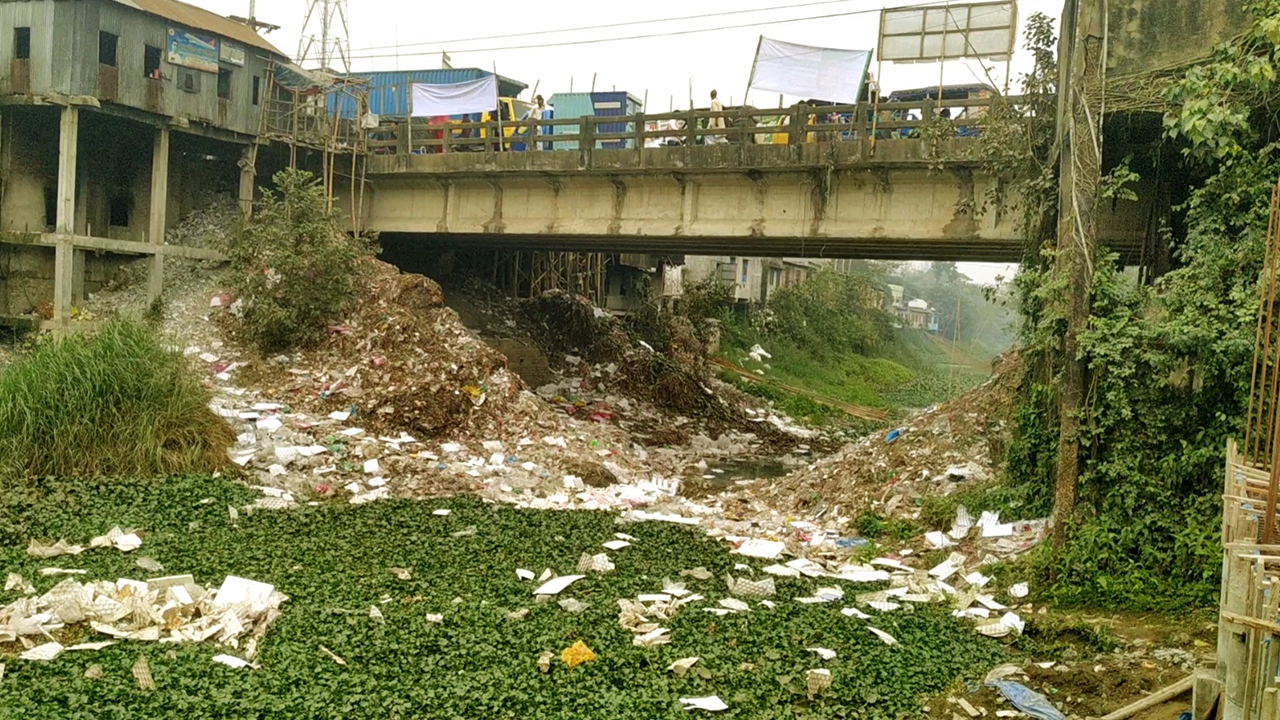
(167, 610)
(935, 453)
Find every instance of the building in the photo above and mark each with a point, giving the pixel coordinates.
(116, 118)
(752, 279)
(912, 313)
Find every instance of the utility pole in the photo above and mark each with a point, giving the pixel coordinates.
(1082, 79)
(324, 38)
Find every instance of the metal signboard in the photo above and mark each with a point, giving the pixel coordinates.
(231, 54)
(984, 30)
(193, 50)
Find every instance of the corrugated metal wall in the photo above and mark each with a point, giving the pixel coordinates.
(64, 59)
(389, 91)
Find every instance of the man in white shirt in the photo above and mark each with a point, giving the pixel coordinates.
(716, 123)
(533, 115)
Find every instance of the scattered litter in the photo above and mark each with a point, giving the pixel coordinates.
(823, 595)
(142, 674)
(824, 653)
(938, 540)
(751, 588)
(886, 637)
(654, 637)
(434, 617)
(599, 563)
(683, 664)
(465, 532)
(93, 672)
(51, 571)
(16, 583)
(376, 614)
(524, 574)
(782, 571)
(807, 568)
(119, 539)
(711, 703)
(698, 573)
(855, 612)
(232, 661)
(148, 564)
(402, 573)
(520, 614)
(90, 646)
(332, 656)
(544, 661)
(43, 653)
(555, 585)
(765, 549)
(616, 544)
(1019, 590)
(1027, 700)
(577, 654)
(441, 511)
(817, 680)
(573, 606)
(46, 551)
(735, 605)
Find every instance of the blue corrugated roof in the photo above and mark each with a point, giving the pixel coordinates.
(389, 90)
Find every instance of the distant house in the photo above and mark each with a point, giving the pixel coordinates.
(915, 313)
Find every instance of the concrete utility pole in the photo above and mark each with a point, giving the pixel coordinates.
(1082, 67)
(324, 36)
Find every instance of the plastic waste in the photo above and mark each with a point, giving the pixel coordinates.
(1027, 700)
(893, 435)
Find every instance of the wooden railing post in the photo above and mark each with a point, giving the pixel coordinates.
(639, 132)
(402, 135)
(691, 127)
(586, 139)
(799, 123)
(446, 139)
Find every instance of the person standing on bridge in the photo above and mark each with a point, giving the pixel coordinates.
(716, 123)
(532, 117)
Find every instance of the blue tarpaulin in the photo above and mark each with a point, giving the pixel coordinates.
(1027, 700)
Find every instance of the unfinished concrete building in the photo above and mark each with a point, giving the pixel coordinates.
(116, 118)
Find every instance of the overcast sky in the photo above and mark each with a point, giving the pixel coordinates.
(398, 35)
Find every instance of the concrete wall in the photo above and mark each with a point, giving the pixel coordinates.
(1149, 35)
(64, 59)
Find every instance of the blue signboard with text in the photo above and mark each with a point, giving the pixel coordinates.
(193, 50)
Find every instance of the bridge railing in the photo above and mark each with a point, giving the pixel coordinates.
(796, 125)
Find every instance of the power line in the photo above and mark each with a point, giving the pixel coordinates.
(609, 25)
(674, 33)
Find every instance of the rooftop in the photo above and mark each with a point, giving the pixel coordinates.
(201, 19)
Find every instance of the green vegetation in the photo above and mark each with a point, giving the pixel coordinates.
(819, 345)
(115, 402)
(295, 268)
(333, 561)
(1169, 361)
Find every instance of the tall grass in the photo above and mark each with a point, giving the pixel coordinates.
(114, 403)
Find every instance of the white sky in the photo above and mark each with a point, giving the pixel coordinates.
(400, 35)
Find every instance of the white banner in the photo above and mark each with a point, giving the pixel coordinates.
(473, 96)
(812, 73)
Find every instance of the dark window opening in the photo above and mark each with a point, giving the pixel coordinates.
(120, 212)
(50, 206)
(22, 43)
(151, 62)
(257, 89)
(224, 83)
(188, 80)
(107, 48)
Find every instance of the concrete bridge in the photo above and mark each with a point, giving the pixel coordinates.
(822, 193)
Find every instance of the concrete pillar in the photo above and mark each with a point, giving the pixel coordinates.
(159, 210)
(64, 253)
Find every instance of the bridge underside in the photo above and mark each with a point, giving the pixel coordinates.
(891, 208)
(791, 247)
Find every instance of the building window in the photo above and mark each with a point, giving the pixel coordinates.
(107, 48)
(119, 212)
(188, 80)
(224, 83)
(151, 62)
(746, 270)
(257, 89)
(22, 43)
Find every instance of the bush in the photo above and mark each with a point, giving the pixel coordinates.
(295, 268)
(115, 403)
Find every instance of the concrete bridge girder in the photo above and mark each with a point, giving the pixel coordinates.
(872, 209)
